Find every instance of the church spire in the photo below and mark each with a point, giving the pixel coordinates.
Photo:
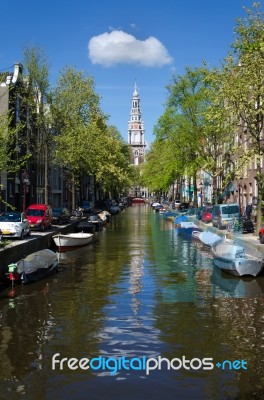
(136, 130)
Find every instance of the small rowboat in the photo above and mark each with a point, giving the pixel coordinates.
(72, 240)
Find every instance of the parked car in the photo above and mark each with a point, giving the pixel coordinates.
(224, 213)
(39, 216)
(87, 207)
(183, 208)
(261, 235)
(14, 224)
(199, 212)
(207, 215)
(60, 215)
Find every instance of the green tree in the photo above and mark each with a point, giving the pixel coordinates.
(85, 144)
(204, 131)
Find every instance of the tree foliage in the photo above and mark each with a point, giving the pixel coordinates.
(85, 144)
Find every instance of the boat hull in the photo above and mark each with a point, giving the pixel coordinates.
(233, 259)
(72, 240)
(41, 273)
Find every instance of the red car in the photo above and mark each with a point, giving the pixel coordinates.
(261, 235)
(207, 215)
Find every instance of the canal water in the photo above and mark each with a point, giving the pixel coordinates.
(148, 309)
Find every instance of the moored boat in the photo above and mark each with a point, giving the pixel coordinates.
(208, 238)
(34, 267)
(237, 258)
(196, 235)
(186, 228)
(72, 240)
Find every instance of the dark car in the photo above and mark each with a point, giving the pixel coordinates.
(184, 207)
(60, 215)
(87, 207)
(199, 212)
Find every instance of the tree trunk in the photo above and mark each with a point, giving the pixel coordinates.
(195, 194)
(46, 175)
(215, 192)
(259, 197)
(73, 194)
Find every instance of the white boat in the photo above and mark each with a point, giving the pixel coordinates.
(208, 238)
(237, 258)
(72, 240)
(34, 267)
(196, 235)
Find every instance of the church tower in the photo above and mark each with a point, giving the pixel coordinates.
(136, 139)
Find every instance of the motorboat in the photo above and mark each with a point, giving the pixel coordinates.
(33, 267)
(97, 221)
(237, 258)
(179, 219)
(72, 240)
(186, 228)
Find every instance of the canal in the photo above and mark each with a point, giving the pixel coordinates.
(148, 309)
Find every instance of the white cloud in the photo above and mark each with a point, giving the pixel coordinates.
(118, 47)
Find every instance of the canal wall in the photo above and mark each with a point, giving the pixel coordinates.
(14, 251)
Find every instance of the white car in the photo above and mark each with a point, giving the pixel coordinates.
(14, 224)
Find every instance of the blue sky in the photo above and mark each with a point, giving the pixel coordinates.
(118, 42)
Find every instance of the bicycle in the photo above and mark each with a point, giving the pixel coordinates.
(234, 226)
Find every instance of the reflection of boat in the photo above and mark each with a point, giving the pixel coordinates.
(237, 258)
(34, 267)
(72, 254)
(71, 240)
(226, 285)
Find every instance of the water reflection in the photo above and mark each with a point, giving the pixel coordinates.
(138, 290)
(224, 285)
